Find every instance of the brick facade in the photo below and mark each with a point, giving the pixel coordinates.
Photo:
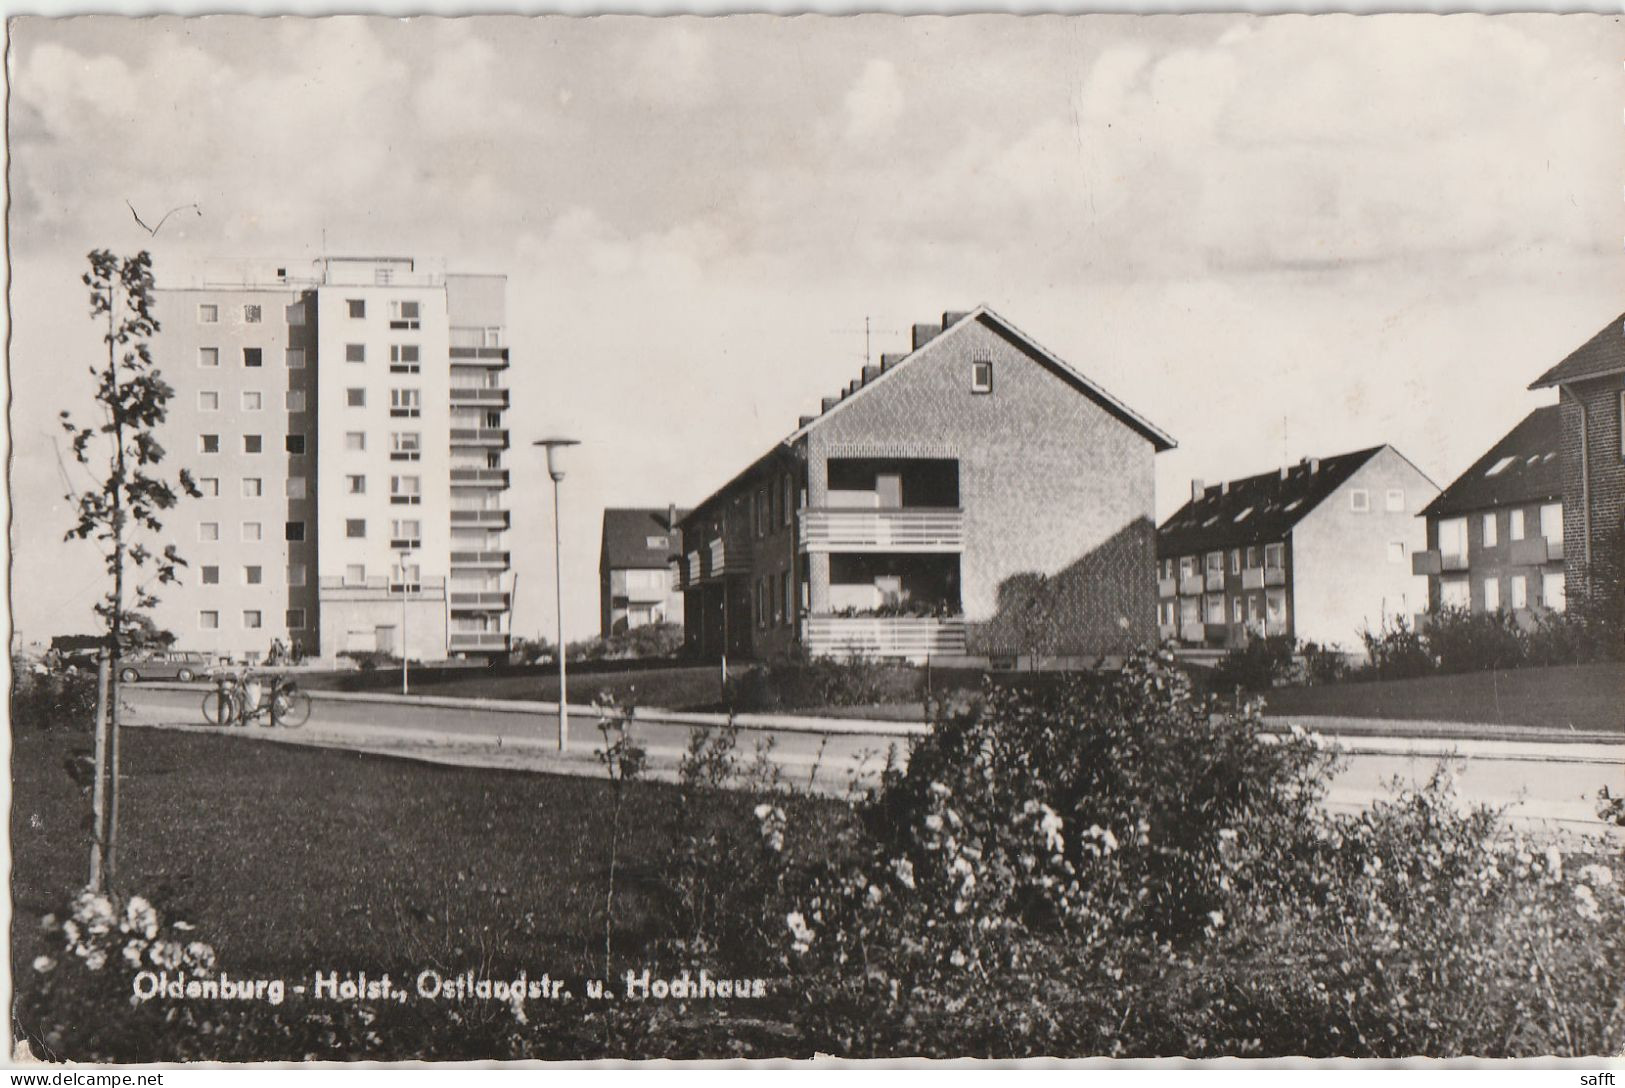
(1604, 460)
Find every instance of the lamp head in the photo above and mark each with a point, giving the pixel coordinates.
(555, 460)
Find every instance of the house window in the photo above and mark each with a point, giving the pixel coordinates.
(296, 619)
(1215, 608)
(405, 402)
(208, 313)
(296, 574)
(1274, 556)
(355, 574)
(253, 443)
(208, 356)
(252, 400)
(208, 443)
(1520, 591)
(1551, 522)
(1492, 594)
(789, 498)
(405, 446)
(294, 358)
(210, 486)
(1489, 535)
(208, 531)
(355, 440)
(1235, 560)
(293, 531)
(252, 619)
(355, 353)
(403, 315)
(253, 357)
(1515, 524)
(1236, 613)
(405, 489)
(1359, 500)
(295, 487)
(357, 306)
(355, 398)
(406, 534)
(251, 314)
(1552, 590)
(252, 532)
(208, 619)
(981, 376)
(253, 576)
(1395, 501)
(355, 528)
(355, 485)
(1454, 593)
(1453, 537)
(211, 576)
(253, 487)
(294, 400)
(294, 444)
(1215, 562)
(403, 358)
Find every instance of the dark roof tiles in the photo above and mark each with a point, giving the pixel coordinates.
(1529, 469)
(627, 534)
(1602, 354)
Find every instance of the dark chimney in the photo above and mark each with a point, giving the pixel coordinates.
(891, 359)
(924, 334)
(830, 402)
(870, 373)
(671, 515)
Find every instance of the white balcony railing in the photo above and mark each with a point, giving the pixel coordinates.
(916, 530)
(479, 640)
(909, 637)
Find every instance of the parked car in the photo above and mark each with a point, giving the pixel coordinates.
(168, 665)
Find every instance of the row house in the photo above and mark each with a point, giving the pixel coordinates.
(637, 569)
(1316, 551)
(1495, 535)
(973, 495)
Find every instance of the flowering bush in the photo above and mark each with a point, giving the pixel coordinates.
(98, 933)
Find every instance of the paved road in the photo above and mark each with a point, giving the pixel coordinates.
(1547, 783)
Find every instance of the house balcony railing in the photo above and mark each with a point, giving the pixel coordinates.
(479, 601)
(490, 519)
(479, 640)
(479, 477)
(905, 530)
(1214, 580)
(1191, 585)
(1167, 587)
(1259, 577)
(1166, 631)
(1193, 632)
(914, 638)
(1534, 551)
(378, 582)
(488, 437)
(480, 560)
(482, 356)
(1433, 561)
(482, 395)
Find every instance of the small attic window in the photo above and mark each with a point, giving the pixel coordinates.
(981, 376)
(654, 542)
(1500, 466)
(1210, 521)
(1293, 505)
(1245, 514)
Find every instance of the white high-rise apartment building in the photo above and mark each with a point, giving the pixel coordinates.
(346, 424)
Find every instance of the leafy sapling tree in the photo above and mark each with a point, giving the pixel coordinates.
(122, 510)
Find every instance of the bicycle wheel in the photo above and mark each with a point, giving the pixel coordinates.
(290, 708)
(219, 709)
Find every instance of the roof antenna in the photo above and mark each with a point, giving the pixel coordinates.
(868, 334)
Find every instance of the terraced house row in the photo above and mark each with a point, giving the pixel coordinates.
(346, 423)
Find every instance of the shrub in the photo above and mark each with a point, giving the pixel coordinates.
(368, 660)
(1463, 641)
(1260, 665)
(799, 681)
(1396, 651)
(649, 640)
(1323, 664)
(53, 700)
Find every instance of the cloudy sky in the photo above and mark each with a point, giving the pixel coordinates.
(1282, 236)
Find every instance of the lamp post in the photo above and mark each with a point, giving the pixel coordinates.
(555, 468)
(406, 586)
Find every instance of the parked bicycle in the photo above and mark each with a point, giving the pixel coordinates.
(244, 700)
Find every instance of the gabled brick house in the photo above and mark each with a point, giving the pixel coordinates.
(1591, 396)
(974, 495)
(1315, 551)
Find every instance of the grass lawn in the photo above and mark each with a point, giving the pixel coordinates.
(287, 859)
(683, 687)
(1580, 697)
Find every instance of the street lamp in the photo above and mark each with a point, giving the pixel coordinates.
(406, 586)
(555, 448)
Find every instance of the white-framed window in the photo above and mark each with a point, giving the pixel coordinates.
(253, 400)
(208, 357)
(405, 402)
(405, 446)
(1215, 562)
(355, 440)
(297, 574)
(1215, 608)
(355, 485)
(208, 619)
(253, 487)
(1492, 594)
(1551, 522)
(1237, 615)
(1394, 500)
(403, 314)
(355, 528)
(253, 443)
(208, 531)
(403, 358)
(408, 577)
(253, 532)
(253, 575)
(355, 398)
(1274, 556)
(355, 353)
(406, 533)
(1520, 591)
(252, 314)
(253, 619)
(357, 306)
(210, 486)
(1359, 500)
(981, 376)
(1499, 467)
(211, 576)
(1396, 551)
(1235, 560)
(296, 487)
(295, 619)
(207, 313)
(1515, 524)
(294, 358)
(294, 400)
(1455, 593)
(406, 489)
(1553, 589)
(208, 401)
(355, 574)
(208, 443)
(1488, 530)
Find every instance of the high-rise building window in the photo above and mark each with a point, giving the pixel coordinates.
(252, 400)
(208, 531)
(252, 619)
(357, 306)
(355, 398)
(403, 358)
(355, 353)
(251, 314)
(253, 531)
(405, 402)
(406, 489)
(208, 356)
(208, 313)
(355, 574)
(403, 314)
(208, 619)
(209, 486)
(294, 358)
(253, 357)
(296, 619)
(294, 444)
(355, 485)
(355, 440)
(253, 443)
(208, 401)
(208, 443)
(253, 576)
(296, 574)
(296, 487)
(293, 530)
(253, 487)
(405, 446)
(295, 313)
(211, 576)
(355, 528)
(294, 400)
(406, 534)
